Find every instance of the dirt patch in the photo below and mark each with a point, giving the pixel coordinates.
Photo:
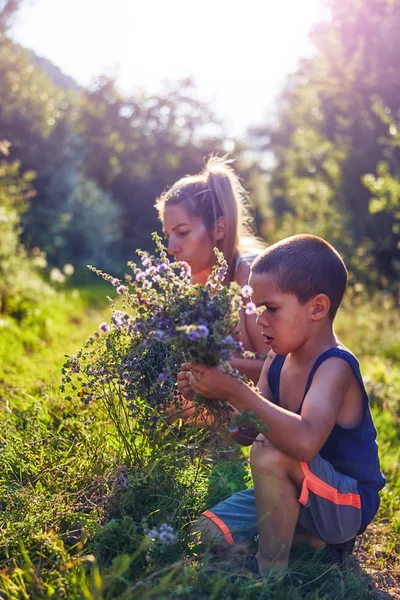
(370, 560)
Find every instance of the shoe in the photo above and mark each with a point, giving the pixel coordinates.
(286, 579)
(334, 554)
(251, 564)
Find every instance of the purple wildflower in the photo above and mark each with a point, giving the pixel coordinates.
(146, 262)
(119, 318)
(104, 327)
(159, 335)
(247, 291)
(162, 378)
(122, 481)
(167, 538)
(251, 308)
(162, 267)
(164, 534)
(186, 270)
(202, 331)
(115, 282)
(121, 289)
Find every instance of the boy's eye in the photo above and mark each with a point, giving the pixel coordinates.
(271, 309)
(182, 233)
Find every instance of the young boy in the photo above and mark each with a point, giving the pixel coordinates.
(316, 469)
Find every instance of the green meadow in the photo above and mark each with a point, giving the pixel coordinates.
(74, 514)
(80, 170)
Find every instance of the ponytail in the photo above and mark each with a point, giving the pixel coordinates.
(217, 192)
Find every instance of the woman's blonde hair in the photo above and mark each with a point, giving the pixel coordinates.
(213, 193)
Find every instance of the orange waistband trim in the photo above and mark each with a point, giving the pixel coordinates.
(324, 490)
(224, 528)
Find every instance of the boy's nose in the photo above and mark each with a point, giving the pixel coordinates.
(262, 320)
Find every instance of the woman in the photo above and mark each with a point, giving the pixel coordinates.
(210, 210)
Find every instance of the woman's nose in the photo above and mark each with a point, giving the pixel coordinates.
(173, 247)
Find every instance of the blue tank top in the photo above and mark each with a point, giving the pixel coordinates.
(353, 452)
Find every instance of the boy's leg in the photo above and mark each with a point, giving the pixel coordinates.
(277, 481)
(231, 523)
(209, 533)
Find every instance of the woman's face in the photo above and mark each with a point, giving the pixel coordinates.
(189, 240)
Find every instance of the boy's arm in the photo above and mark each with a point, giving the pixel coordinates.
(301, 436)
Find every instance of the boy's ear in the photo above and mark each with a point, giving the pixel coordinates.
(320, 306)
(220, 229)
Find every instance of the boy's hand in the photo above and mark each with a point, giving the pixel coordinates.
(210, 382)
(184, 387)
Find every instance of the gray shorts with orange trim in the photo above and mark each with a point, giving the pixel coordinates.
(330, 507)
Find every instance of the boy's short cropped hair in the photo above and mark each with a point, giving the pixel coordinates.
(305, 265)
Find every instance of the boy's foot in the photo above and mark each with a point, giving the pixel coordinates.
(251, 565)
(335, 554)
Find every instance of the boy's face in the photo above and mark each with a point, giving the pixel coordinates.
(285, 322)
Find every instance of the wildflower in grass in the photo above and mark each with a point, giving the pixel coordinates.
(165, 534)
(104, 327)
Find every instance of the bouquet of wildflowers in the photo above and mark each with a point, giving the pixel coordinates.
(131, 363)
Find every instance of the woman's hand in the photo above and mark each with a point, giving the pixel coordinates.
(211, 382)
(184, 387)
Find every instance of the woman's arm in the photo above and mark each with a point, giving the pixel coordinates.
(249, 335)
(251, 367)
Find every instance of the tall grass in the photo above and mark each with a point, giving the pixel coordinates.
(74, 516)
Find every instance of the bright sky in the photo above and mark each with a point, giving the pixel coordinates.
(238, 52)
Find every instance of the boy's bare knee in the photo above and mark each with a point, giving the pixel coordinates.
(266, 458)
(208, 533)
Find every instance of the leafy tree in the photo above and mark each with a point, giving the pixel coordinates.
(37, 118)
(20, 284)
(137, 146)
(88, 229)
(329, 135)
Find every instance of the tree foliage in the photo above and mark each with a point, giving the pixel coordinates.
(20, 283)
(337, 123)
(135, 147)
(128, 149)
